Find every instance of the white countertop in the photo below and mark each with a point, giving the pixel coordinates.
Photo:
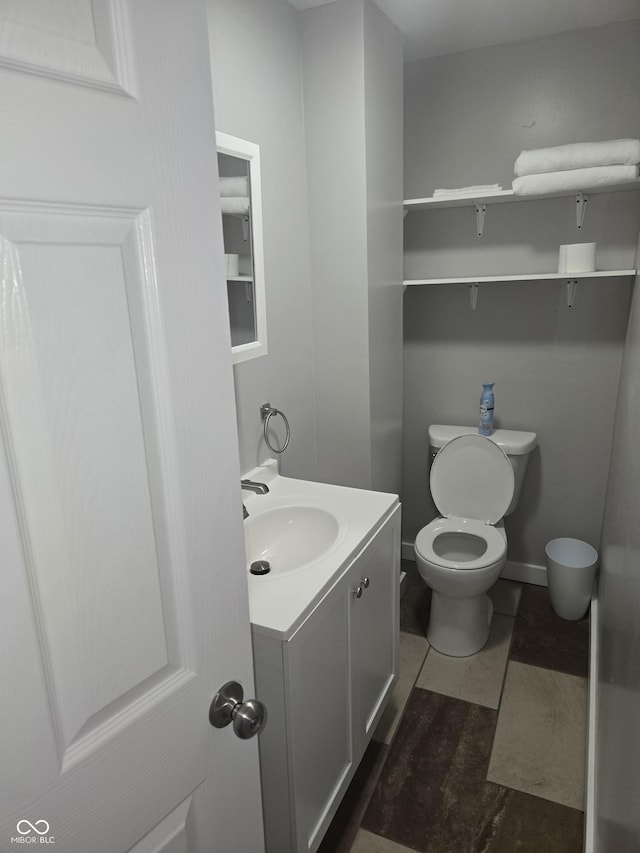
(279, 603)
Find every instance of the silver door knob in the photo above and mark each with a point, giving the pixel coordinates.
(248, 718)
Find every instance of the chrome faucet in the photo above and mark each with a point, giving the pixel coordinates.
(258, 488)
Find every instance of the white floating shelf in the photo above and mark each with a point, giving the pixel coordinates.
(507, 196)
(570, 279)
(497, 197)
(539, 276)
(239, 278)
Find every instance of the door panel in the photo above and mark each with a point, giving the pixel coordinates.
(319, 686)
(75, 432)
(171, 835)
(83, 42)
(375, 646)
(120, 508)
(86, 471)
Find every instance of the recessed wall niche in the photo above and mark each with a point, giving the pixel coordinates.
(241, 206)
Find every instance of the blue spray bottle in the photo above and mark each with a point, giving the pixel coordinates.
(485, 426)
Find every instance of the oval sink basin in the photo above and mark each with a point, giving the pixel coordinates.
(289, 537)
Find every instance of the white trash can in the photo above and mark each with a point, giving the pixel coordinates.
(571, 570)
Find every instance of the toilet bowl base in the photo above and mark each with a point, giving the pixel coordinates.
(459, 627)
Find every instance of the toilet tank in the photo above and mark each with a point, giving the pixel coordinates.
(515, 443)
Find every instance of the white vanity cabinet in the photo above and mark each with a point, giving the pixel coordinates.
(325, 688)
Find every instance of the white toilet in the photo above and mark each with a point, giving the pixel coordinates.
(475, 481)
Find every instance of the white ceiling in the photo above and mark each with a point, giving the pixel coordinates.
(435, 27)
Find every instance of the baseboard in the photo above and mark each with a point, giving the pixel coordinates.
(590, 782)
(524, 572)
(513, 571)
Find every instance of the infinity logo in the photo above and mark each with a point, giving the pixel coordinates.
(41, 827)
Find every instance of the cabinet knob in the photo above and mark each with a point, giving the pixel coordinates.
(248, 718)
(364, 584)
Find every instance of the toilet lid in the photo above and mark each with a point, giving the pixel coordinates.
(471, 477)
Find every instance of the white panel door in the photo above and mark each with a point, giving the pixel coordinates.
(124, 602)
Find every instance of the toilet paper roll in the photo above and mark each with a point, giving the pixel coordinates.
(232, 264)
(577, 257)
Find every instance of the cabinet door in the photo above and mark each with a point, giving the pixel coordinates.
(375, 628)
(319, 697)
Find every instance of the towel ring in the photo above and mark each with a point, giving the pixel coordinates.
(266, 412)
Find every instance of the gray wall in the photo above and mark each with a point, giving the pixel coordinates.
(257, 88)
(383, 134)
(477, 110)
(331, 159)
(618, 733)
(556, 369)
(353, 114)
(335, 127)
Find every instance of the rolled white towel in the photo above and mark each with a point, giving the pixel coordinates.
(477, 189)
(236, 206)
(574, 179)
(234, 186)
(578, 155)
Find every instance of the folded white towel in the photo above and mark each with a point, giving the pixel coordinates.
(574, 179)
(234, 186)
(578, 155)
(478, 189)
(236, 206)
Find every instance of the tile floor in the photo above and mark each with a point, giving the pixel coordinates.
(482, 754)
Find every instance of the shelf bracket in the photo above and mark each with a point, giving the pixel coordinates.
(572, 286)
(245, 228)
(582, 199)
(473, 295)
(481, 209)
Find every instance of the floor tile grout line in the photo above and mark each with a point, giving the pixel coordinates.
(365, 805)
(501, 786)
(502, 686)
(504, 674)
(551, 669)
(506, 668)
(487, 781)
(548, 668)
(387, 747)
(413, 688)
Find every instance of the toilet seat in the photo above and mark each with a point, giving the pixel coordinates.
(495, 541)
(472, 485)
(471, 477)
